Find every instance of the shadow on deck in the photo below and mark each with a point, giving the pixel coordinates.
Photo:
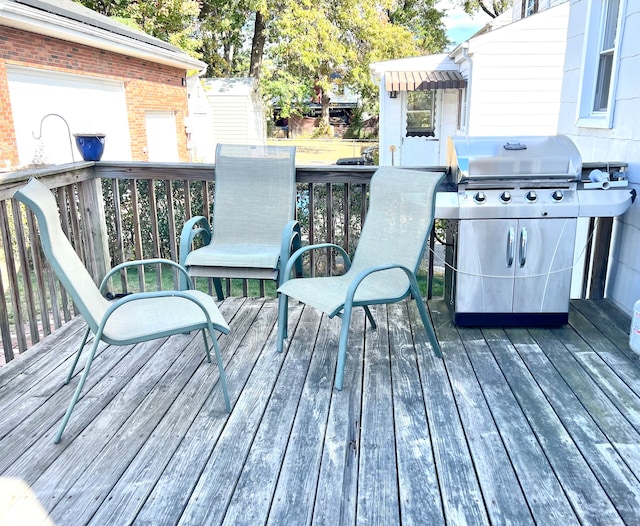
(513, 426)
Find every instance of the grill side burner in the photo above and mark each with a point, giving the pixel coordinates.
(514, 210)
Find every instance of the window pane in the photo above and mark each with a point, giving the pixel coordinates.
(419, 100)
(419, 119)
(601, 99)
(611, 24)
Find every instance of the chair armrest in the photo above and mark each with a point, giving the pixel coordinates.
(160, 294)
(361, 276)
(291, 241)
(298, 253)
(153, 261)
(197, 225)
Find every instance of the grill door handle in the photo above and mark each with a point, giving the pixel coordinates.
(510, 246)
(523, 246)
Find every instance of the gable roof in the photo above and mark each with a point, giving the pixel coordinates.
(67, 20)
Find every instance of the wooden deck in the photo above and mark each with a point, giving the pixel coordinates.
(514, 426)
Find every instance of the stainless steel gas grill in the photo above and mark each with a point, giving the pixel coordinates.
(514, 204)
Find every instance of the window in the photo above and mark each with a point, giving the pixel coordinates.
(529, 7)
(605, 59)
(420, 112)
(602, 37)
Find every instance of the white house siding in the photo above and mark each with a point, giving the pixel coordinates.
(620, 143)
(517, 75)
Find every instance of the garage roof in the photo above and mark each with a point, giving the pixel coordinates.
(423, 80)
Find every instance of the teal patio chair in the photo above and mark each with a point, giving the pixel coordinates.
(389, 251)
(253, 228)
(132, 319)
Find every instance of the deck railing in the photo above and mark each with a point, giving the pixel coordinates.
(117, 211)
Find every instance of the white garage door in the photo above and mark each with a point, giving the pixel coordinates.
(87, 104)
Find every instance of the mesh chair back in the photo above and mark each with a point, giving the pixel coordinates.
(255, 193)
(61, 255)
(397, 226)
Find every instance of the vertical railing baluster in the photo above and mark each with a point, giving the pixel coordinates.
(330, 230)
(12, 272)
(5, 326)
(137, 232)
(312, 237)
(187, 201)
(153, 211)
(7, 343)
(61, 197)
(39, 270)
(117, 211)
(171, 221)
(53, 296)
(346, 228)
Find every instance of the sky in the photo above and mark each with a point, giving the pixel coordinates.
(461, 26)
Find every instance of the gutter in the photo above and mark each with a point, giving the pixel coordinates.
(26, 18)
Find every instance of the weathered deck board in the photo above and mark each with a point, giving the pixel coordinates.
(520, 426)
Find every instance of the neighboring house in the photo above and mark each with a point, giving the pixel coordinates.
(600, 111)
(100, 76)
(505, 80)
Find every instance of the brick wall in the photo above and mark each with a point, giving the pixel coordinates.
(148, 86)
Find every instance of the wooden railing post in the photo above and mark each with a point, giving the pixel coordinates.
(94, 231)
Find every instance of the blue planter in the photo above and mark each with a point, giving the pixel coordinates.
(91, 146)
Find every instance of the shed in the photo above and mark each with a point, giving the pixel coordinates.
(237, 110)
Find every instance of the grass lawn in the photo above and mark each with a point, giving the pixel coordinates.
(323, 151)
(203, 285)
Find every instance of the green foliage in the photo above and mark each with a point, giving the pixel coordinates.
(306, 42)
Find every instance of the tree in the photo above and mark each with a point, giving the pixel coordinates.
(318, 44)
(492, 7)
(173, 21)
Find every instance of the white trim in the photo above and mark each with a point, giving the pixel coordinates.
(26, 18)
(586, 117)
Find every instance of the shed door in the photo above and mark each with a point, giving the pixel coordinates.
(162, 140)
(87, 104)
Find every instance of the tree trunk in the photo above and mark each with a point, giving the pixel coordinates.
(325, 109)
(257, 47)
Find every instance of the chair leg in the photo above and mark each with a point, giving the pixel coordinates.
(370, 317)
(206, 345)
(426, 321)
(78, 353)
(223, 375)
(217, 283)
(283, 315)
(76, 395)
(342, 347)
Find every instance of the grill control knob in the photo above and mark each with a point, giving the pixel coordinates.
(557, 195)
(531, 196)
(505, 197)
(480, 197)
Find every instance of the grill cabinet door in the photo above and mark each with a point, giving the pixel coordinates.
(485, 273)
(543, 282)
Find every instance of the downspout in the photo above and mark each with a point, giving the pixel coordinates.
(467, 58)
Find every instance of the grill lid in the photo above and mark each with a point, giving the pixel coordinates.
(521, 158)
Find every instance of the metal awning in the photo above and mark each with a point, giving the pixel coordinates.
(424, 80)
